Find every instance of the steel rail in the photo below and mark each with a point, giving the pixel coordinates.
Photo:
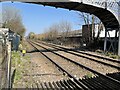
(64, 71)
(107, 59)
(113, 66)
(85, 67)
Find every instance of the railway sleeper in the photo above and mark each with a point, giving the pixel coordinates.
(105, 81)
(93, 83)
(114, 75)
(96, 84)
(67, 84)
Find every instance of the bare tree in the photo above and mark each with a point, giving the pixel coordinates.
(51, 34)
(65, 27)
(91, 20)
(54, 31)
(12, 19)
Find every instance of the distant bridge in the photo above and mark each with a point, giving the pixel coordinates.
(75, 33)
(108, 11)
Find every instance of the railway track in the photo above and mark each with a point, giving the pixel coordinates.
(105, 81)
(103, 60)
(100, 67)
(82, 86)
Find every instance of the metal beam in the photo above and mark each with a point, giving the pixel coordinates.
(105, 40)
(115, 41)
(119, 28)
(119, 43)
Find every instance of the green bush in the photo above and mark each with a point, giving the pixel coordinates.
(114, 56)
(89, 75)
(99, 51)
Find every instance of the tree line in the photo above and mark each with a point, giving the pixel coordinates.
(51, 33)
(11, 18)
(63, 28)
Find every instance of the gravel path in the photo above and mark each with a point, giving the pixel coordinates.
(38, 70)
(43, 70)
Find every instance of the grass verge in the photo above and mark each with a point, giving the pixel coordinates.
(22, 65)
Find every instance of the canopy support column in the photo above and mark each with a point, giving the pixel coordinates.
(119, 42)
(115, 43)
(105, 40)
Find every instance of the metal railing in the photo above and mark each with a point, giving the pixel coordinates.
(112, 5)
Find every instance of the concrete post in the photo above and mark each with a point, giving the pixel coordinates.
(105, 40)
(9, 64)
